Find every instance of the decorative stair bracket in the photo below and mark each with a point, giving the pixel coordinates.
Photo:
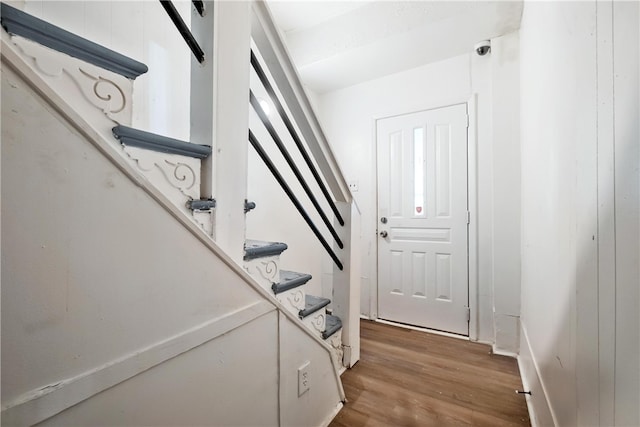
(171, 165)
(22, 24)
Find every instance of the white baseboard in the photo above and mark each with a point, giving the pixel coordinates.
(332, 415)
(499, 352)
(538, 405)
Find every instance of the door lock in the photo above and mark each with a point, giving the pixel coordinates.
(383, 234)
(383, 220)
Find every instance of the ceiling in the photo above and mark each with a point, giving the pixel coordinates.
(341, 43)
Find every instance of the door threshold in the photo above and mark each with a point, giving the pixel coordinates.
(427, 330)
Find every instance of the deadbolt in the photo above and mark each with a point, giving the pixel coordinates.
(383, 220)
(383, 234)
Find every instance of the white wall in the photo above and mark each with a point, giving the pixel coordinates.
(579, 133)
(143, 31)
(348, 116)
(626, 70)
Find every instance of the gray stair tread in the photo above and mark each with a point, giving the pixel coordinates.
(333, 324)
(313, 304)
(258, 249)
(289, 280)
(163, 144)
(22, 24)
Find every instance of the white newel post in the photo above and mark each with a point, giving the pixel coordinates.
(346, 283)
(220, 114)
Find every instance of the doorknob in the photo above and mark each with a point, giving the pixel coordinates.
(383, 234)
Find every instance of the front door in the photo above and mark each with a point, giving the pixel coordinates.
(423, 219)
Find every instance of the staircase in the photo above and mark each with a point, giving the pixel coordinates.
(92, 86)
(171, 165)
(262, 262)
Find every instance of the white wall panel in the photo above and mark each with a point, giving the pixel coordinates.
(200, 387)
(626, 46)
(550, 99)
(580, 211)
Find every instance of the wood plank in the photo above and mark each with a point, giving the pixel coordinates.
(412, 378)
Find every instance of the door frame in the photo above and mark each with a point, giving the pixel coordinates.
(472, 200)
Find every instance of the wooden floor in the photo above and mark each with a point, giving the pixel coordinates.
(411, 378)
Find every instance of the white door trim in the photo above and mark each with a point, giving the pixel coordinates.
(472, 194)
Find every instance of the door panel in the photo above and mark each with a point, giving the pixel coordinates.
(422, 196)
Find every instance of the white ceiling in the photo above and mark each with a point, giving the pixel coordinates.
(340, 43)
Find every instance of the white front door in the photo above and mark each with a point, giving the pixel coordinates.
(422, 219)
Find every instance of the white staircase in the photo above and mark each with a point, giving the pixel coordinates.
(262, 262)
(171, 165)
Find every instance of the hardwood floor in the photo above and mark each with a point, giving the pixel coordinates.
(412, 378)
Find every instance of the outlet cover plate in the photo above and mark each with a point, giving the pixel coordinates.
(303, 378)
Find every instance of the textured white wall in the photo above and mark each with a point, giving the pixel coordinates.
(555, 66)
(626, 68)
(580, 211)
(505, 170)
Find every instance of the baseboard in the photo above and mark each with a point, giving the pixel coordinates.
(332, 415)
(538, 405)
(499, 352)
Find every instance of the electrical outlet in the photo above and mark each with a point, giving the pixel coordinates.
(303, 378)
(353, 186)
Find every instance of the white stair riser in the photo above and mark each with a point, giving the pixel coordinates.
(316, 322)
(265, 271)
(293, 299)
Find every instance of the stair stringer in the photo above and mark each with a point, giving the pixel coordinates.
(75, 120)
(106, 98)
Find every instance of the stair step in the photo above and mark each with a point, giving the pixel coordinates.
(313, 304)
(258, 249)
(151, 141)
(289, 280)
(17, 22)
(333, 324)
